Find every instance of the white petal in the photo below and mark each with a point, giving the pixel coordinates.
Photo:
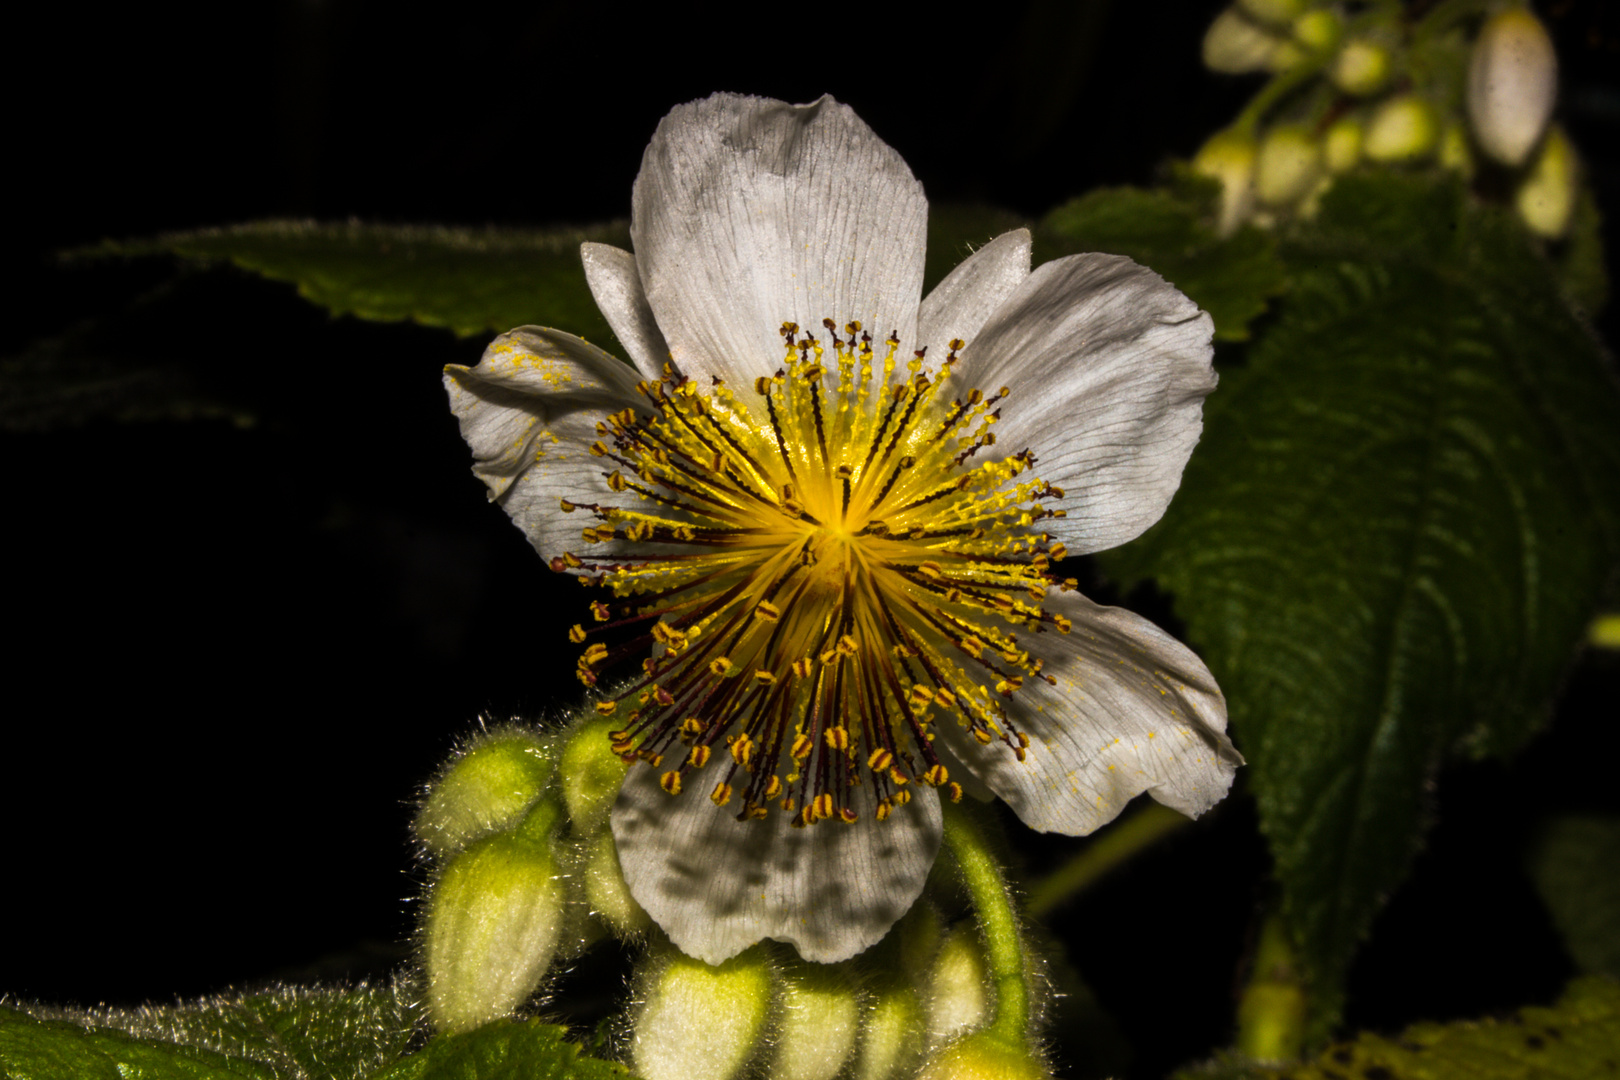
(1108, 365)
(1133, 710)
(959, 306)
(529, 411)
(749, 213)
(615, 283)
(717, 885)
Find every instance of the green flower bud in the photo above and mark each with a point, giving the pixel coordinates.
(1287, 165)
(1319, 30)
(891, 1039)
(1233, 45)
(983, 1057)
(1278, 13)
(489, 787)
(819, 1019)
(957, 995)
(1362, 67)
(1229, 158)
(591, 773)
(1546, 198)
(698, 1021)
(1403, 129)
(493, 920)
(1512, 80)
(605, 890)
(1341, 146)
(1286, 57)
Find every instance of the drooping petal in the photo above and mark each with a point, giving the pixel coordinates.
(748, 213)
(1133, 710)
(1109, 365)
(529, 412)
(717, 885)
(959, 306)
(616, 285)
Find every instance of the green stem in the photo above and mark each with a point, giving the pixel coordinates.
(1138, 830)
(1279, 87)
(1271, 1013)
(1004, 952)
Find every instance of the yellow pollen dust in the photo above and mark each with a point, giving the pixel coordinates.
(823, 567)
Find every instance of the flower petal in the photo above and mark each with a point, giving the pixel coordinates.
(749, 213)
(1133, 710)
(529, 412)
(615, 283)
(1108, 365)
(959, 306)
(717, 885)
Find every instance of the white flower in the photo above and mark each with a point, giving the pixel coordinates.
(836, 549)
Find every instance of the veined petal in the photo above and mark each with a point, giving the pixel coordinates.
(717, 885)
(959, 306)
(749, 213)
(616, 285)
(529, 412)
(1109, 365)
(1133, 710)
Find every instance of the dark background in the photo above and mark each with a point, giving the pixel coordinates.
(240, 643)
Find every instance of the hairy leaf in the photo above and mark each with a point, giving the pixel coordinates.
(34, 1049)
(1573, 864)
(1392, 535)
(504, 1050)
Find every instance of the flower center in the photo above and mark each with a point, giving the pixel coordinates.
(821, 572)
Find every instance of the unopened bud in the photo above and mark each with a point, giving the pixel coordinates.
(591, 773)
(1546, 198)
(891, 1039)
(697, 1020)
(605, 891)
(488, 788)
(1319, 30)
(819, 1019)
(957, 995)
(1341, 146)
(1277, 13)
(1403, 128)
(1512, 80)
(1235, 45)
(1362, 67)
(1229, 158)
(983, 1057)
(493, 920)
(1287, 165)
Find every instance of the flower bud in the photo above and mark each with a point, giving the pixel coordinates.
(1341, 146)
(701, 1021)
(1403, 129)
(493, 920)
(1277, 13)
(1229, 158)
(819, 1019)
(488, 788)
(605, 890)
(1287, 165)
(957, 995)
(983, 1057)
(1233, 45)
(591, 774)
(1319, 30)
(1546, 198)
(1512, 80)
(891, 1039)
(1362, 67)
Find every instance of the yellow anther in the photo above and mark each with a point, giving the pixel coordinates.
(692, 727)
(773, 788)
(897, 778)
(802, 745)
(822, 807)
(721, 795)
(616, 480)
(879, 760)
(1006, 687)
(758, 813)
(767, 611)
(901, 797)
(663, 696)
(576, 634)
(837, 738)
(699, 756)
(595, 654)
(599, 611)
(848, 646)
(742, 749)
(566, 506)
(1057, 551)
(972, 646)
(936, 775)
(670, 782)
(931, 570)
(955, 791)
(802, 667)
(1063, 624)
(762, 385)
(983, 735)
(921, 695)
(945, 698)
(847, 816)
(598, 450)
(765, 677)
(843, 472)
(608, 708)
(720, 667)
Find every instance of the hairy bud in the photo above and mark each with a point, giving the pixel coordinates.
(1287, 165)
(891, 1039)
(591, 774)
(1546, 199)
(983, 1057)
(1229, 158)
(818, 1021)
(488, 788)
(1404, 128)
(701, 1021)
(1341, 146)
(1234, 45)
(605, 891)
(1362, 67)
(957, 995)
(1319, 30)
(1512, 81)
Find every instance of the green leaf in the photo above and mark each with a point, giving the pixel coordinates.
(1581, 265)
(1392, 536)
(1573, 865)
(504, 1050)
(1577, 1038)
(469, 281)
(54, 385)
(1233, 279)
(33, 1049)
(288, 1033)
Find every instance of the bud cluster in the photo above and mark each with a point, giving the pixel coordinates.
(1468, 88)
(525, 877)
